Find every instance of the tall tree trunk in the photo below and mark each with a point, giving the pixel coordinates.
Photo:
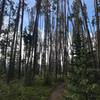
(8, 30)
(35, 35)
(65, 61)
(56, 44)
(2, 14)
(84, 13)
(97, 14)
(11, 63)
(21, 32)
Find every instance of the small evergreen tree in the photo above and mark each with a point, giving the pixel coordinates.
(82, 85)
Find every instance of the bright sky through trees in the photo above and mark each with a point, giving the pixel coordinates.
(44, 43)
(90, 8)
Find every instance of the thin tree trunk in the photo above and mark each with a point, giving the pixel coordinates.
(35, 35)
(21, 30)
(97, 8)
(2, 14)
(56, 45)
(88, 34)
(11, 66)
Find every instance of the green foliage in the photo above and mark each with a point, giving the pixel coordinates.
(17, 91)
(47, 80)
(82, 85)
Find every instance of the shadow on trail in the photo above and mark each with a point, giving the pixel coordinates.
(57, 94)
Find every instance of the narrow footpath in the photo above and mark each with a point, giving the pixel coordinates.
(58, 93)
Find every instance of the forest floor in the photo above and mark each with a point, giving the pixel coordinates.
(58, 93)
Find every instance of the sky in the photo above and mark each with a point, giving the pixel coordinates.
(90, 8)
(31, 3)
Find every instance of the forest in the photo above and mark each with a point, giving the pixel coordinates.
(49, 49)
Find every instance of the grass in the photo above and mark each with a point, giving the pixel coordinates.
(38, 91)
(17, 91)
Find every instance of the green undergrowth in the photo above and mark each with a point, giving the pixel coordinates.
(18, 91)
(72, 95)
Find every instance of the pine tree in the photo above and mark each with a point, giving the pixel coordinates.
(21, 30)
(81, 80)
(2, 13)
(10, 75)
(97, 13)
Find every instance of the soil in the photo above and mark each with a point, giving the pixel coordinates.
(58, 93)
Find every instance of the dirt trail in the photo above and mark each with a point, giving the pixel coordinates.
(58, 93)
